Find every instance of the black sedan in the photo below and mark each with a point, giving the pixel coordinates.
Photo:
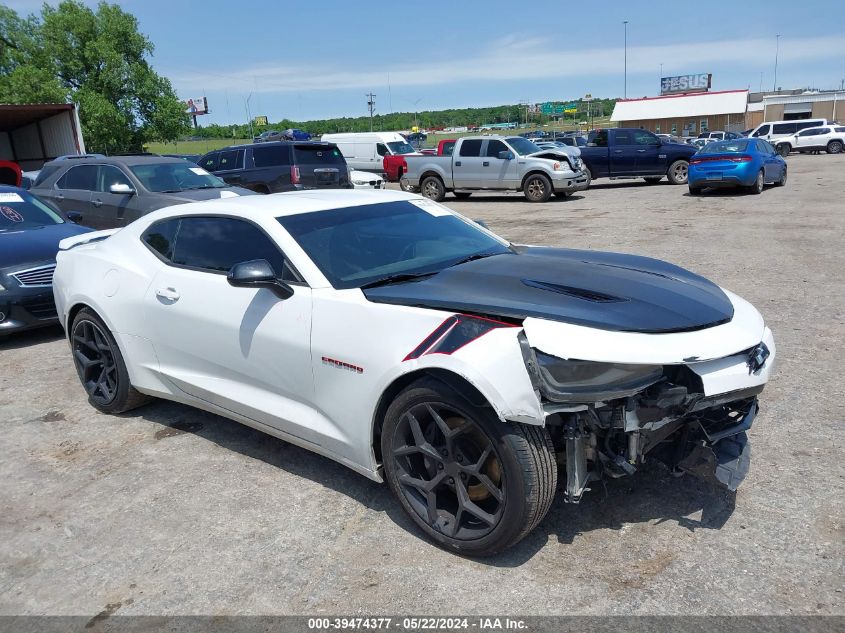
(30, 232)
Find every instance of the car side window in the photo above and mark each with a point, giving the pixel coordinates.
(599, 139)
(382, 150)
(622, 137)
(762, 131)
(109, 175)
(838, 130)
(784, 128)
(209, 161)
(494, 147)
(83, 177)
(641, 137)
(231, 159)
(271, 156)
(471, 147)
(161, 237)
(215, 244)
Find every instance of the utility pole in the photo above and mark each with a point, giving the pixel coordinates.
(371, 105)
(777, 50)
(625, 94)
(248, 114)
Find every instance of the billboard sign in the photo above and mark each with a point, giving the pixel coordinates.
(196, 106)
(685, 83)
(261, 120)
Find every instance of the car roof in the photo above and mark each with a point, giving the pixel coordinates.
(137, 159)
(270, 144)
(287, 203)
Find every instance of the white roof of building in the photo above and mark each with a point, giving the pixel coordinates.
(806, 97)
(681, 106)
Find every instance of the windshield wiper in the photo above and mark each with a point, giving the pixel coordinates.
(395, 279)
(204, 187)
(472, 258)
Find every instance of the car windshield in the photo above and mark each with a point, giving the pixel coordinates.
(21, 210)
(173, 177)
(357, 246)
(725, 147)
(401, 147)
(522, 146)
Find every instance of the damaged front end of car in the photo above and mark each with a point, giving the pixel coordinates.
(607, 419)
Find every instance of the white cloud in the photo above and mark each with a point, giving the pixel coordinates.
(512, 58)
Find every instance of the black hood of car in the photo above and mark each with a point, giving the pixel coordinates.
(34, 245)
(609, 291)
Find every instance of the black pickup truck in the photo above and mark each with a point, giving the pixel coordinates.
(635, 153)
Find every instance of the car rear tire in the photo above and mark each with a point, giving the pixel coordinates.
(537, 188)
(463, 195)
(100, 366)
(783, 149)
(433, 189)
(473, 484)
(653, 180)
(834, 147)
(678, 172)
(759, 184)
(694, 191)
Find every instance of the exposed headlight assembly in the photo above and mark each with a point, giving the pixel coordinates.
(587, 381)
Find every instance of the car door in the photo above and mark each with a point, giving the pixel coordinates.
(113, 210)
(623, 153)
(72, 192)
(650, 156)
(771, 162)
(499, 173)
(230, 164)
(467, 165)
(243, 349)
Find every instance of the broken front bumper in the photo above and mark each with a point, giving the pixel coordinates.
(568, 182)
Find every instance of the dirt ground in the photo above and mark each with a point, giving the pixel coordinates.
(169, 510)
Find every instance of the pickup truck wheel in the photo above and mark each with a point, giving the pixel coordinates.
(834, 147)
(537, 188)
(678, 172)
(473, 484)
(463, 195)
(653, 180)
(433, 189)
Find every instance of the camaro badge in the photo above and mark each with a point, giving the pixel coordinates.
(339, 364)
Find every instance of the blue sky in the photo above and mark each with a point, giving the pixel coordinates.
(310, 60)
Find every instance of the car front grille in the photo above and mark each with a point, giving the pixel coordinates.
(42, 276)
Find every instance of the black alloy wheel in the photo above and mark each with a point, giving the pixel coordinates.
(94, 359)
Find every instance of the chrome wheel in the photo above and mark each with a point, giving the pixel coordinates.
(680, 172)
(448, 471)
(94, 361)
(433, 189)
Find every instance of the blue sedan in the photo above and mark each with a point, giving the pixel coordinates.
(746, 162)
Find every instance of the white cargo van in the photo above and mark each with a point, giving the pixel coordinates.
(366, 150)
(773, 130)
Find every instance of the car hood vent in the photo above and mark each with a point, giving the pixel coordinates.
(580, 293)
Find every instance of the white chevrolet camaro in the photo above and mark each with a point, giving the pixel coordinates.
(391, 334)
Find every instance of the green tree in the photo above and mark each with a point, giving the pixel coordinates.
(98, 59)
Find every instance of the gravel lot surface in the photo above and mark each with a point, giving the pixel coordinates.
(169, 510)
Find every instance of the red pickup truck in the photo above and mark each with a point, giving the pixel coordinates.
(395, 166)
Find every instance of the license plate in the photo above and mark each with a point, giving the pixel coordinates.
(714, 176)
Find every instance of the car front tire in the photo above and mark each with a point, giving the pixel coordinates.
(100, 365)
(783, 149)
(537, 188)
(473, 484)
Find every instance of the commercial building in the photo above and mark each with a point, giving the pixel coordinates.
(826, 104)
(685, 114)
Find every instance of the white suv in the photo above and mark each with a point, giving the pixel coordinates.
(830, 138)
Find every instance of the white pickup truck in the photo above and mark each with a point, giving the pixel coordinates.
(493, 163)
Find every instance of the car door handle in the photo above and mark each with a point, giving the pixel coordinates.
(97, 203)
(486, 163)
(641, 151)
(617, 151)
(60, 196)
(169, 294)
(457, 163)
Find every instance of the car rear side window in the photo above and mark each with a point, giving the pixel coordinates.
(470, 148)
(209, 161)
(231, 159)
(784, 128)
(838, 130)
(271, 156)
(215, 244)
(317, 155)
(160, 238)
(82, 177)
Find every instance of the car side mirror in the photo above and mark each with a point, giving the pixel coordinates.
(506, 155)
(74, 216)
(121, 187)
(258, 273)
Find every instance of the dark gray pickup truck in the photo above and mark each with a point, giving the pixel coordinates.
(635, 153)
